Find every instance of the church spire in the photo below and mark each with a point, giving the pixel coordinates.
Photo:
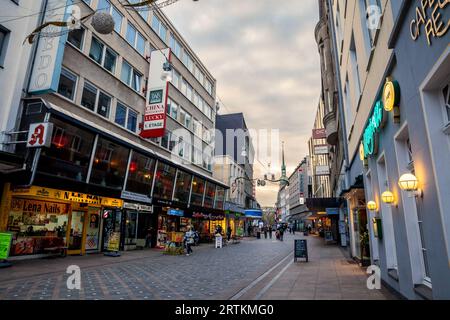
(283, 168)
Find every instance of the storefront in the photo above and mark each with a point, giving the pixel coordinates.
(139, 223)
(42, 218)
(253, 217)
(235, 217)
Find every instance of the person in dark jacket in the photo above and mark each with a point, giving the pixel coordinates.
(229, 231)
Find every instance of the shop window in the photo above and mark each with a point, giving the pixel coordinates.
(69, 153)
(164, 181)
(198, 189)
(183, 187)
(210, 195)
(110, 162)
(130, 227)
(140, 174)
(67, 84)
(220, 197)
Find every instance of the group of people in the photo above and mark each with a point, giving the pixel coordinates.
(191, 237)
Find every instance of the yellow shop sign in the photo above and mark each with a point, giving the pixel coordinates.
(56, 194)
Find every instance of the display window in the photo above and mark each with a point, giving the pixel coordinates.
(209, 195)
(198, 189)
(131, 222)
(140, 174)
(220, 196)
(37, 225)
(164, 181)
(183, 187)
(93, 229)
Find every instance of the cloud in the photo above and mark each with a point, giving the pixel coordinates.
(265, 59)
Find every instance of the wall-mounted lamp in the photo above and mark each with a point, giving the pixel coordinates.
(372, 206)
(409, 183)
(388, 197)
(167, 72)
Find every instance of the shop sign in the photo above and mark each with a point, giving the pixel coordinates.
(322, 170)
(67, 196)
(136, 197)
(137, 207)
(175, 212)
(5, 244)
(114, 241)
(332, 211)
(319, 133)
(155, 111)
(39, 135)
(208, 216)
(321, 149)
(370, 135)
(430, 15)
(50, 51)
(40, 207)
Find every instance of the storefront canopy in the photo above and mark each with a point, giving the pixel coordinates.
(321, 204)
(256, 214)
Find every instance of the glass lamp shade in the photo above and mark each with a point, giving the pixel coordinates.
(387, 197)
(408, 182)
(372, 205)
(166, 76)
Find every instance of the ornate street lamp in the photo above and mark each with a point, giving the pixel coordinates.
(409, 183)
(372, 206)
(387, 197)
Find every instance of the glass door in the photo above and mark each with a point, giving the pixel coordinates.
(76, 233)
(112, 220)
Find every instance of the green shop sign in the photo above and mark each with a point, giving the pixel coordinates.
(370, 136)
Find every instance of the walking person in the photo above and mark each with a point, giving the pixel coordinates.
(265, 232)
(281, 233)
(189, 240)
(229, 231)
(270, 232)
(249, 230)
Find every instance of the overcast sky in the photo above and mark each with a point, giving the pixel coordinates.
(265, 60)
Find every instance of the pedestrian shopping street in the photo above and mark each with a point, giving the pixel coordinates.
(251, 269)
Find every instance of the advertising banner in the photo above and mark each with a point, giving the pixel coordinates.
(322, 170)
(157, 90)
(321, 149)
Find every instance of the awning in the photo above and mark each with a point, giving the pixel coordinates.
(256, 214)
(234, 208)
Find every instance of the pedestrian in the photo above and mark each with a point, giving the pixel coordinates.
(293, 229)
(270, 232)
(309, 228)
(249, 230)
(281, 233)
(189, 240)
(229, 231)
(265, 232)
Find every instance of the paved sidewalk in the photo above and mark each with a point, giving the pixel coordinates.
(329, 275)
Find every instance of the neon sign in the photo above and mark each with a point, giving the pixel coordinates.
(376, 122)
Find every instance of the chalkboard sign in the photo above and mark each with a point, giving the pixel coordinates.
(301, 249)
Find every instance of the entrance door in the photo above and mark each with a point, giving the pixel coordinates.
(76, 233)
(111, 229)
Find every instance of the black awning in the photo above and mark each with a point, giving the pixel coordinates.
(321, 204)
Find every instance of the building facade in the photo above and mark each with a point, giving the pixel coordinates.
(396, 117)
(99, 185)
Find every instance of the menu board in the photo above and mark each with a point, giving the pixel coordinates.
(5, 244)
(301, 249)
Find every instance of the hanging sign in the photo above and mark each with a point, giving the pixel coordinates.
(39, 135)
(319, 133)
(370, 135)
(157, 91)
(50, 51)
(321, 149)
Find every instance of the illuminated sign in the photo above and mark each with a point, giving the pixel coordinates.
(429, 15)
(370, 135)
(39, 135)
(391, 95)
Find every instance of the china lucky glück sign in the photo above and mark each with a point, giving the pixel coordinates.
(155, 111)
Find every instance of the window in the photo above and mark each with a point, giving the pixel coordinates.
(197, 127)
(189, 92)
(140, 174)
(164, 181)
(355, 71)
(126, 117)
(75, 38)
(67, 84)
(182, 116)
(187, 61)
(140, 43)
(210, 195)
(70, 152)
(88, 2)
(188, 121)
(95, 100)
(183, 187)
(198, 189)
(370, 6)
(110, 164)
(105, 5)
(131, 35)
(103, 55)
(176, 78)
(4, 36)
(159, 28)
(208, 87)
(174, 110)
(131, 77)
(184, 87)
(446, 95)
(175, 46)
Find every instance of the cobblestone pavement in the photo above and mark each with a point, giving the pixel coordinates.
(207, 274)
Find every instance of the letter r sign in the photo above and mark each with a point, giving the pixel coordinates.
(39, 135)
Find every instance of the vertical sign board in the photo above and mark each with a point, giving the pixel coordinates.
(300, 249)
(157, 91)
(5, 245)
(50, 50)
(319, 133)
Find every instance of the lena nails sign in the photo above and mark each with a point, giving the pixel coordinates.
(155, 110)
